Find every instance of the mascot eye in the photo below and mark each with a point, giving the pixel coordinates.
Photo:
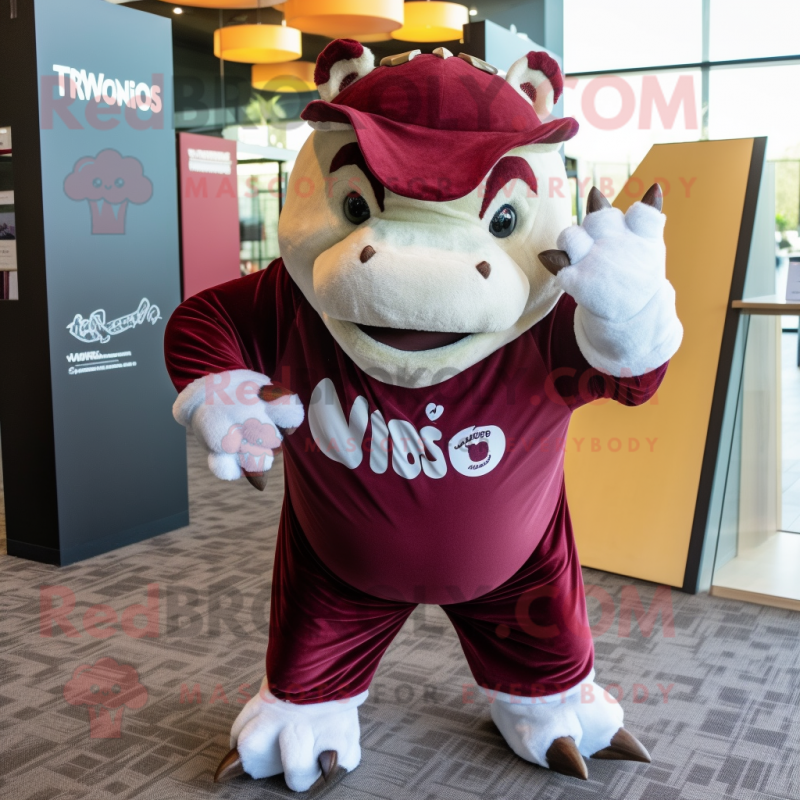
(97, 182)
(119, 183)
(503, 222)
(356, 208)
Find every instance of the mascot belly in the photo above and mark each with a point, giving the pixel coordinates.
(431, 325)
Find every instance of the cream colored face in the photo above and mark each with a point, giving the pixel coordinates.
(436, 267)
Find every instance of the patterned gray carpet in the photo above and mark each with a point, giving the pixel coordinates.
(728, 728)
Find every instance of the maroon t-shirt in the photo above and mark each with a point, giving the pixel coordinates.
(434, 495)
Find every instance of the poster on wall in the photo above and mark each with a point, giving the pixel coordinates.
(209, 211)
(113, 270)
(8, 236)
(8, 248)
(8, 222)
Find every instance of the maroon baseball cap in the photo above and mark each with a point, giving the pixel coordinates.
(433, 127)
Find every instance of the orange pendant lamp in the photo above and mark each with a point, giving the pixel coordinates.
(431, 21)
(224, 4)
(291, 76)
(366, 38)
(341, 18)
(257, 44)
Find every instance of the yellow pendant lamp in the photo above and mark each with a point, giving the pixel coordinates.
(432, 22)
(341, 18)
(367, 38)
(257, 44)
(291, 76)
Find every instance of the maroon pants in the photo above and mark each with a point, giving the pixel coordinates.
(528, 637)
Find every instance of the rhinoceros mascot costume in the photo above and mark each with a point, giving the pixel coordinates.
(431, 325)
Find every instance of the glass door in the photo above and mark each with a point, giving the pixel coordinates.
(260, 187)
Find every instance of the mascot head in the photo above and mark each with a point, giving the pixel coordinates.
(416, 209)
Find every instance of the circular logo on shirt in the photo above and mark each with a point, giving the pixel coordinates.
(477, 450)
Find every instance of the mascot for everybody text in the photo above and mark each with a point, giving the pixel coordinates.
(419, 327)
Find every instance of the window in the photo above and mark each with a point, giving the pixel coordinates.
(745, 29)
(622, 116)
(620, 34)
(757, 101)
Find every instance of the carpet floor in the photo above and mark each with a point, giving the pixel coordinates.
(713, 691)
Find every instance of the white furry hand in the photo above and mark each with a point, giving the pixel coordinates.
(273, 736)
(614, 266)
(238, 428)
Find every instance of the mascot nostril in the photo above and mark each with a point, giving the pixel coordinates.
(387, 504)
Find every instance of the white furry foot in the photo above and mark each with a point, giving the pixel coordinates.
(586, 714)
(273, 736)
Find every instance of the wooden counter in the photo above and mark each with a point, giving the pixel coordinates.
(770, 305)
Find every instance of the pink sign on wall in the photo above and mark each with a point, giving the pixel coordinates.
(209, 211)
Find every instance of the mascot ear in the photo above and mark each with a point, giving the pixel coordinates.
(537, 78)
(341, 63)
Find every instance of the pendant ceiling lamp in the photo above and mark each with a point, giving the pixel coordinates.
(224, 4)
(366, 38)
(257, 44)
(432, 22)
(340, 18)
(291, 76)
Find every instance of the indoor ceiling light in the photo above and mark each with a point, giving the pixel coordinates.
(366, 38)
(226, 3)
(432, 22)
(340, 18)
(291, 76)
(257, 44)
(177, 10)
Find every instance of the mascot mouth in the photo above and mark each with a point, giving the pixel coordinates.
(410, 340)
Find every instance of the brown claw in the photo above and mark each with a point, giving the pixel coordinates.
(624, 747)
(257, 479)
(273, 391)
(230, 767)
(554, 260)
(596, 201)
(332, 773)
(563, 757)
(654, 197)
(328, 761)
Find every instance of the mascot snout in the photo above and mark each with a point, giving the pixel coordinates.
(444, 278)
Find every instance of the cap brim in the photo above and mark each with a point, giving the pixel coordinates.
(432, 163)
